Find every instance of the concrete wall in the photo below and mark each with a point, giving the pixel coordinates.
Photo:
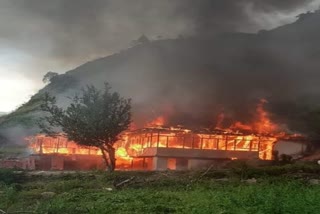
(23, 163)
(198, 153)
(57, 162)
(183, 159)
(160, 163)
(68, 162)
(290, 147)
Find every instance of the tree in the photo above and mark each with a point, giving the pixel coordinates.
(96, 118)
(141, 40)
(48, 77)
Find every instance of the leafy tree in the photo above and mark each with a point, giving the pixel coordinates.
(96, 118)
(48, 77)
(141, 40)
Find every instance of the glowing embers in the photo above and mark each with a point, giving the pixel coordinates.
(157, 122)
(138, 140)
(133, 144)
(41, 144)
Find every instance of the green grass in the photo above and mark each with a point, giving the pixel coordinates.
(165, 192)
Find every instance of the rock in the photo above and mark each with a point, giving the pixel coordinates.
(314, 181)
(108, 189)
(48, 194)
(251, 181)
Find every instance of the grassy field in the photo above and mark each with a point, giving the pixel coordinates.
(279, 189)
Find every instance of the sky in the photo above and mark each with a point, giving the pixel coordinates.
(39, 36)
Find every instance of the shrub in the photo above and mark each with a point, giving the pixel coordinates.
(9, 176)
(285, 159)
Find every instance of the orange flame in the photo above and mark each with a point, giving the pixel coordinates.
(262, 124)
(174, 137)
(159, 121)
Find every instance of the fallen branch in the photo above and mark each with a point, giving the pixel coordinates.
(203, 174)
(164, 174)
(122, 183)
(199, 178)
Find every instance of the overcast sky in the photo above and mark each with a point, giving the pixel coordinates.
(37, 36)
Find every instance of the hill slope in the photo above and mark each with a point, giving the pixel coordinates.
(192, 80)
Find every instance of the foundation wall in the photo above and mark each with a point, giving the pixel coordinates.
(23, 163)
(160, 163)
(68, 162)
(198, 154)
(57, 163)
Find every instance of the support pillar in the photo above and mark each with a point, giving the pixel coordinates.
(159, 163)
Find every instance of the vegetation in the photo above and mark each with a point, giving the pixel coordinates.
(92, 119)
(49, 77)
(24, 116)
(281, 189)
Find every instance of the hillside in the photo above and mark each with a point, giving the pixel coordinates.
(191, 80)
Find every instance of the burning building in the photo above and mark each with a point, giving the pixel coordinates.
(57, 153)
(160, 147)
(176, 148)
(156, 148)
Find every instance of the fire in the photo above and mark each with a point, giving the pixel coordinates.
(240, 126)
(134, 143)
(41, 144)
(262, 123)
(159, 121)
(258, 137)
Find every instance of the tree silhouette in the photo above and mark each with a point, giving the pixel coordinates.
(95, 118)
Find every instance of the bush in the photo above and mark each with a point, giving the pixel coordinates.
(9, 176)
(285, 159)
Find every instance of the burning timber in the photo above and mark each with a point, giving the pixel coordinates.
(174, 148)
(155, 148)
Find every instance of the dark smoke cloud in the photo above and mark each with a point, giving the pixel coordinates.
(76, 30)
(196, 78)
(232, 15)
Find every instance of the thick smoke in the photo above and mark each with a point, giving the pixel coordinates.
(75, 30)
(192, 80)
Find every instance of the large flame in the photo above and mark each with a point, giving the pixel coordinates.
(133, 143)
(259, 136)
(41, 144)
(159, 121)
(262, 123)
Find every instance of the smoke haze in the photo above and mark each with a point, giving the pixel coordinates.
(77, 30)
(208, 71)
